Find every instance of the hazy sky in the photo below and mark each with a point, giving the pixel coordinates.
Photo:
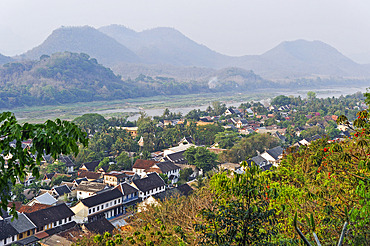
(232, 27)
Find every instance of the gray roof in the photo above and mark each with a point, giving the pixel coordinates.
(6, 229)
(22, 224)
(46, 198)
(126, 189)
(66, 160)
(167, 166)
(177, 157)
(61, 190)
(50, 215)
(149, 183)
(275, 152)
(259, 160)
(101, 198)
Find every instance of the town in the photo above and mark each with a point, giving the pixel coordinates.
(129, 166)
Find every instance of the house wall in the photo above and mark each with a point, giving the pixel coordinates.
(152, 192)
(83, 194)
(81, 212)
(110, 180)
(8, 240)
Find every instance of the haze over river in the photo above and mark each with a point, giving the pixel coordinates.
(320, 93)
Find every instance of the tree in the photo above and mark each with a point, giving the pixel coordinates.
(90, 123)
(57, 166)
(103, 163)
(281, 100)
(124, 161)
(240, 214)
(185, 174)
(164, 177)
(52, 137)
(18, 192)
(226, 139)
(311, 95)
(201, 157)
(218, 107)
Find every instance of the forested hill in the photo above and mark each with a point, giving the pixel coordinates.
(70, 77)
(5, 59)
(87, 40)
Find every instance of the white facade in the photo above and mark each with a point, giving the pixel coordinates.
(152, 192)
(8, 241)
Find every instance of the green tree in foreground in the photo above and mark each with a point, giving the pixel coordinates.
(240, 214)
(52, 137)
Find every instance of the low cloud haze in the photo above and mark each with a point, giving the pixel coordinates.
(229, 27)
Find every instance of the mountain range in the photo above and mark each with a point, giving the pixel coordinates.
(165, 51)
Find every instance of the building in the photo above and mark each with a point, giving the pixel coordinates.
(8, 234)
(45, 198)
(106, 204)
(141, 165)
(23, 225)
(149, 186)
(89, 166)
(114, 178)
(59, 192)
(86, 189)
(132, 130)
(273, 155)
(53, 217)
(166, 167)
(69, 163)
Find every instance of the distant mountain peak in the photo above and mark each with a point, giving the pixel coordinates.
(84, 39)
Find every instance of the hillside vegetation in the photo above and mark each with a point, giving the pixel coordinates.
(5, 59)
(70, 77)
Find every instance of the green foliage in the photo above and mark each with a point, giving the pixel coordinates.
(52, 137)
(185, 174)
(164, 177)
(248, 146)
(91, 123)
(104, 162)
(281, 101)
(124, 161)
(201, 157)
(226, 139)
(56, 180)
(311, 95)
(56, 166)
(18, 191)
(240, 214)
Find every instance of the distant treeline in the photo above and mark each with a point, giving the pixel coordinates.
(70, 77)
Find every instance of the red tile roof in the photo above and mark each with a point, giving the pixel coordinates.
(89, 175)
(143, 164)
(33, 208)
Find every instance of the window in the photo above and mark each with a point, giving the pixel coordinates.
(115, 202)
(119, 200)
(93, 210)
(55, 224)
(4, 240)
(60, 222)
(70, 218)
(89, 211)
(21, 235)
(28, 232)
(106, 205)
(80, 193)
(102, 206)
